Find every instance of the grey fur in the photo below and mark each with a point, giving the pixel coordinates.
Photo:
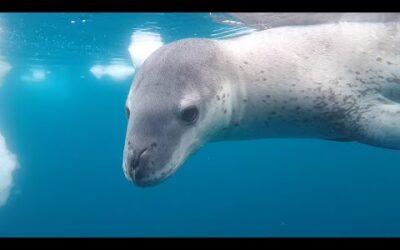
(317, 82)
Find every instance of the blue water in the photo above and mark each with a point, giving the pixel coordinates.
(67, 129)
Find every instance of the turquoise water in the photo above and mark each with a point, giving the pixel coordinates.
(62, 116)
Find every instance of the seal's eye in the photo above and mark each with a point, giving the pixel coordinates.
(190, 114)
(127, 112)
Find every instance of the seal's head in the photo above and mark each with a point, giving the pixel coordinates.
(178, 101)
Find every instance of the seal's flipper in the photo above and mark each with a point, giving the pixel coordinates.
(380, 126)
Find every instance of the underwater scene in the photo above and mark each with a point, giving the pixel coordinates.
(199, 124)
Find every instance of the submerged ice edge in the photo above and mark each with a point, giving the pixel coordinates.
(5, 67)
(35, 75)
(8, 164)
(117, 72)
(8, 160)
(143, 44)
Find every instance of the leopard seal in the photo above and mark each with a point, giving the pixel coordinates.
(337, 81)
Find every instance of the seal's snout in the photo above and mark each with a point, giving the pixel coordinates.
(138, 163)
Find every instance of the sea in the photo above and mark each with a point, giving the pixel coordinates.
(64, 80)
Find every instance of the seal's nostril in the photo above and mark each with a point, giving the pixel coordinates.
(136, 159)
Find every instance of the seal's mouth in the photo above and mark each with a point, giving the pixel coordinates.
(153, 179)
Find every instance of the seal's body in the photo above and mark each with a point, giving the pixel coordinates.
(332, 81)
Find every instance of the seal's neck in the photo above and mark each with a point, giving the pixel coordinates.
(266, 90)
